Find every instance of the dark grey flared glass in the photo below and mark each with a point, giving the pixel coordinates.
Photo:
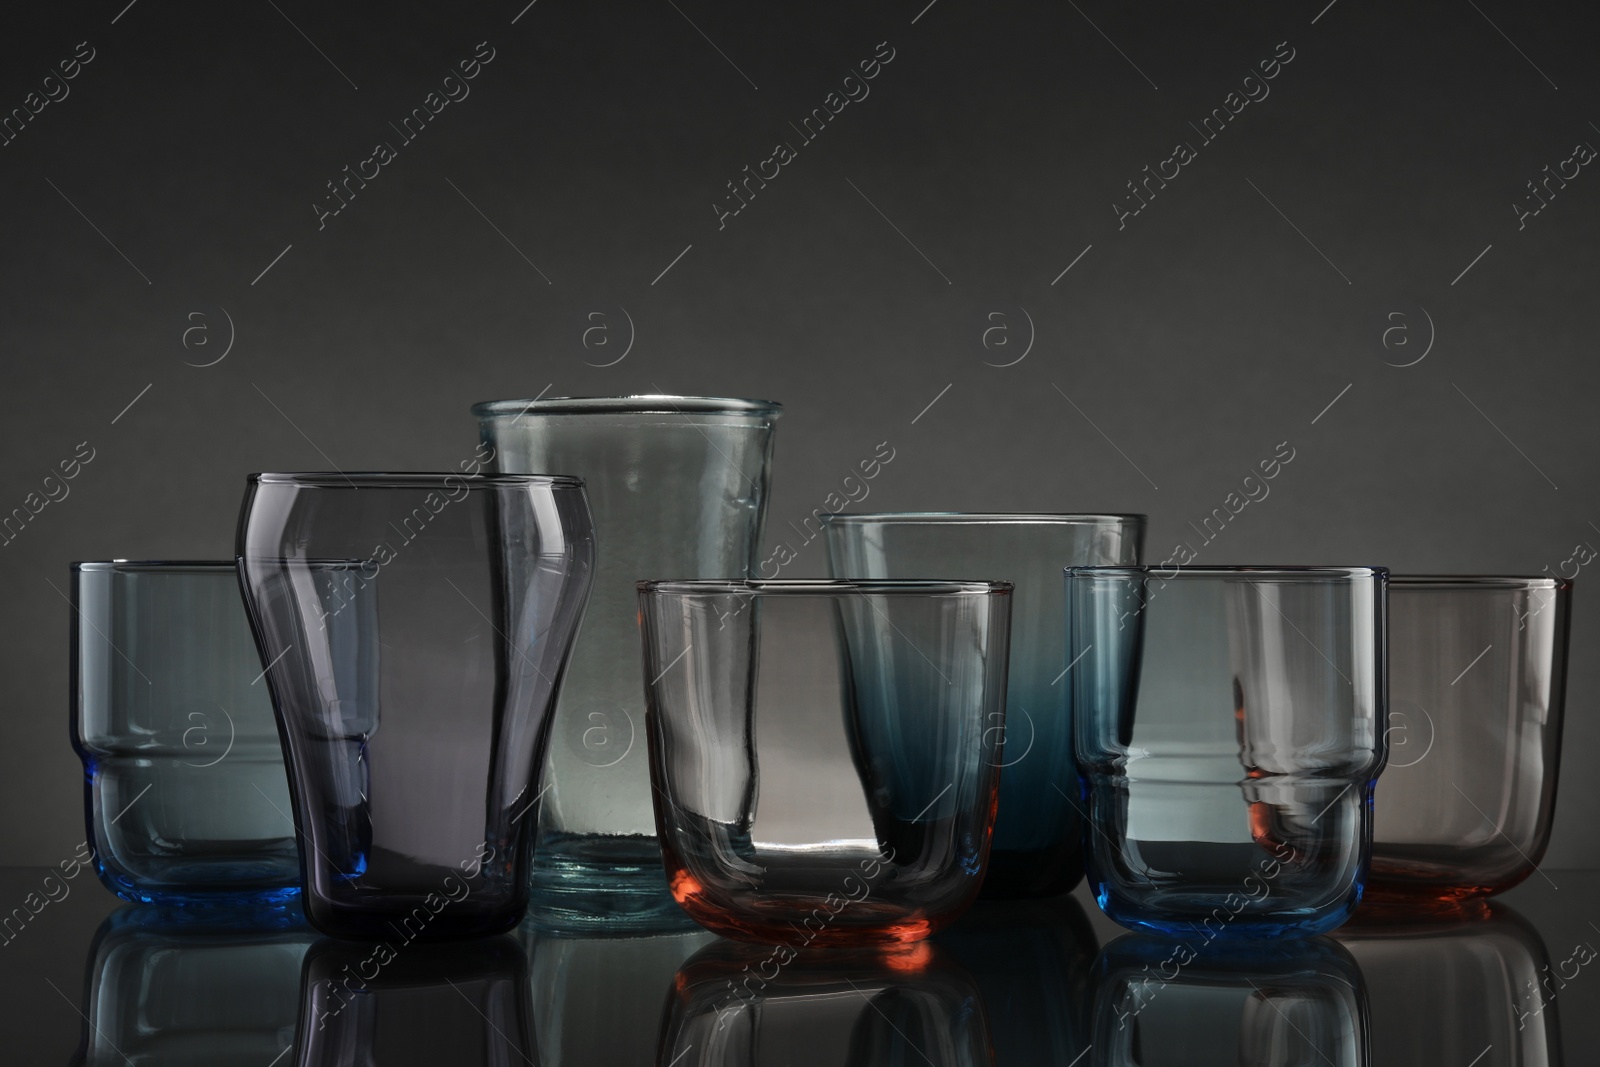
(1478, 672)
(415, 628)
(678, 488)
(184, 788)
(1038, 834)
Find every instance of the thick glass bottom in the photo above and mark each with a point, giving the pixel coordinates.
(610, 883)
(209, 886)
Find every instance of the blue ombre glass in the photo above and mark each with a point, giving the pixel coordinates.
(1037, 834)
(1229, 726)
(184, 786)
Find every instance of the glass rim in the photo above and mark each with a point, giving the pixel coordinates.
(960, 518)
(1307, 573)
(823, 586)
(1480, 581)
(411, 480)
(95, 566)
(630, 404)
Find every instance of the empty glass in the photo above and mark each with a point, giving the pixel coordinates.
(1187, 1003)
(824, 753)
(1038, 834)
(736, 1005)
(414, 627)
(1477, 675)
(1229, 725)
(183, 774)
(678, 486)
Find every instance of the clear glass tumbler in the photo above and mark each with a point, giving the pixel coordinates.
(183, 774)
(1038, 848)
(415, 628)
(1477, 677)
(824, 754)
(678, 486)
(1229, 727)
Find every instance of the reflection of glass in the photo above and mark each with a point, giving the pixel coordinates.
(678, 486)
(1032, 961)
(823, 753)
(1477, 675)
(737, 1005)
(414, 686)
(1187, 1003)
(166, 987)
(1445, 992)
(414, 1005)
(596, 1001)
(1038, 847)
(184, 782)
(1229, 723)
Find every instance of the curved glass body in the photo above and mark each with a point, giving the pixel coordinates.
(1182, 1002)
(824, 753)
(1443, 992)
(1229, 727)
(415, 628)
(183, 774)
(678, 487)
(1477, 679)
(1038, 834)
(736, 1005)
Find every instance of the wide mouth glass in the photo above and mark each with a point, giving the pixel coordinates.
(1247, 574)
(821, 587)
(165, 566)
(642, 404)
(978, 518)
(413, 480)
(1479, 581)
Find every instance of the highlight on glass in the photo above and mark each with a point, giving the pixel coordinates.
(1229, 728)
(1038, 834)
(1477, 679)
(825, 754)
(184, 787)
(415, 628)
(677, 486)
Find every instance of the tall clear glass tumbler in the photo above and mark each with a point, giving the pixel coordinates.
(1038, 848)
(678, 488)
(1229, 725)
(1477, 669)
(825, 754)
(183, 775)
(415, 629)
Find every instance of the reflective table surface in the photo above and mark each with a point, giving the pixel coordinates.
(88, 980)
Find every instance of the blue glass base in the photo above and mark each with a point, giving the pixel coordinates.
(196, 897)
(1211, 919)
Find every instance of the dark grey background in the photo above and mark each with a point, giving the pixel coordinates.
(1190, 343)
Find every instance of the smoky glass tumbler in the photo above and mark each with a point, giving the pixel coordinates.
(184, 787)
(415, 628)
(1229, 724)
(824, 754)
(1038, 847)
(678, 487)
(1477, 676)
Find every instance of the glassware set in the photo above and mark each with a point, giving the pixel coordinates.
(422, 706)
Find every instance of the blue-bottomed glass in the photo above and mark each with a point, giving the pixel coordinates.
(1229, 726)
(184, 787)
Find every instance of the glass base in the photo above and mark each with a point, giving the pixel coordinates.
(197, 898)
(602, 884)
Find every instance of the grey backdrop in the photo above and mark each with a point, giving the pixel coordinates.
(875, 285)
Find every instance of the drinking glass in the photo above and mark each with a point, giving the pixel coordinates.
(183, 775)
(1443, 992)
(1477, 675)
(734, 1005)
(1188, 1003)
(1038, 834)
(415, 628)
(1229, 726)
(678, 486)
(823, 753)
